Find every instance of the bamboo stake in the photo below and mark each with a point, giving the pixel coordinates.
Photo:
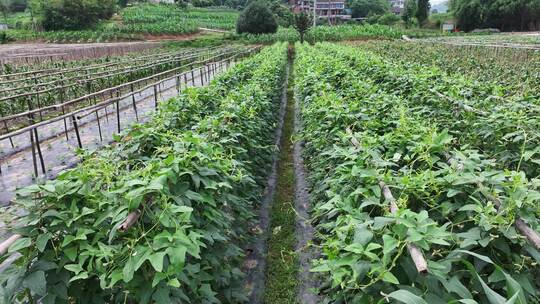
(130, 220)
(521, 226)
(4, 246)
(416, 254)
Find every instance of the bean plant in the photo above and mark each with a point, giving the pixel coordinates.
(367, 121)
(192, 176)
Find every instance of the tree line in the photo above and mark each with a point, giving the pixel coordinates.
(505, 15)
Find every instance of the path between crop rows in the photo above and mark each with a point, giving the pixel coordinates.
(280, 257)
(59, 153)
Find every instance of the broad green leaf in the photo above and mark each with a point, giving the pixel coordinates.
(406, 297)
(41, 241)
(479, 256)
(156, 260)
(36, 282)
(390, 278)
(174, 283)
(492, 296)
(514, 290)
(81, 276)
(389, 244)
(20, 244)
(76, 268)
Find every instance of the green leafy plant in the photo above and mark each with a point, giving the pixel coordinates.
(160, 217)
(369, 120)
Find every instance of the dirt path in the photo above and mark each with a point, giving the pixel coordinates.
(256, 261)
(59, 152)
(304, 230)
(280, 258)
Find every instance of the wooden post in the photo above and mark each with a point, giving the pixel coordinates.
(130, 220)
(7, 128)
(201, 74)
(99, 126)
(65, 124)
(76, 126)
(37, 97)
(118, 115)
(34, 162)
(4, 246)
(39, 152)
(155, 97)
(134, 102)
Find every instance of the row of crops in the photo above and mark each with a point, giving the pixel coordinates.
(169, 19)
(339, 33)
(10, 71)
(161, 216)
(137, 21)
(511, 39)
(514, 70)
(409, 165)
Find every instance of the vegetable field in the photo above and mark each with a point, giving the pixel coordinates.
(167, 207)
(359, 172)
(136, 22)
(424, 183)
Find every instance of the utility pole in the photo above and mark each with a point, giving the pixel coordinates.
(314, 13)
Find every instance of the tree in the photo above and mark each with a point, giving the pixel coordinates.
(422, 10)
(5, 8)
(72, 14)
(363, 8)
(256, 18)
(282, 13)
(409, 12)
(123, 3)
(388, 19)
(181, 3)
(302, 23)
(505, 15)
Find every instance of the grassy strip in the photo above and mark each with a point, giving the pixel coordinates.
(282, 269)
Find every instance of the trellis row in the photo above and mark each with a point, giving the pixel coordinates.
(63, 69)
(113, 73)
(79, 53)
(118, 70)
(34, 76)
(31, 111)
(209, 66)
(122, 63)
(129, 85)
(525, 51)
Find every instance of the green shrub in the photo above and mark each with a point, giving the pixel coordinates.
(256, 19)
(282, 13)
(4, 38)
(73, 14)
(388, 19)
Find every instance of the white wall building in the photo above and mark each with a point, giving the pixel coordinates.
(397, 6)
